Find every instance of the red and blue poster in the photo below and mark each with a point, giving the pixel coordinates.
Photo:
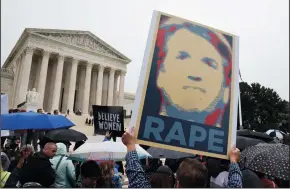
(188, 89)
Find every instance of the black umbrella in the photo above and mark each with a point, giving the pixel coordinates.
(245, 142)
(256, 135)
(163, 153)
(65, 135)
(269, 159)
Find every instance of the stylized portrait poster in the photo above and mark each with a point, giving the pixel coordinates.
(188, 90)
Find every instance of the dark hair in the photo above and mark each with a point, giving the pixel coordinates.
(11, 111)
(90, 169)
(54, 111)
(251, 180)
(162, 180)
(38, 110)
(214, 167)
(192, 174)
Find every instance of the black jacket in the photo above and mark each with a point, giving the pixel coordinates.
(38, 169)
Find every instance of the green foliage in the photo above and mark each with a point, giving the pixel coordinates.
(262, 107)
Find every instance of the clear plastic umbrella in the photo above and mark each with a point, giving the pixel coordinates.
(103, 151)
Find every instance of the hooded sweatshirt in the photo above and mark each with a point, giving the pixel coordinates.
(65, 173)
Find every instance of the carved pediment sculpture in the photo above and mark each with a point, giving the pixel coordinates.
(84, 41)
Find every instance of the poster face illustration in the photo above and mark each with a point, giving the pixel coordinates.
(187, 95)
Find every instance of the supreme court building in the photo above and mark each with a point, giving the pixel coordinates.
(70, 70)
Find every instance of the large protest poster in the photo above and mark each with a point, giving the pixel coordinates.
(188, 88)
(108, 118)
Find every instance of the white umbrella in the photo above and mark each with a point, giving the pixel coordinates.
(102, 151)
(275, 133)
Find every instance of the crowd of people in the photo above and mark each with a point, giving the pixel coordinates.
(47, 164)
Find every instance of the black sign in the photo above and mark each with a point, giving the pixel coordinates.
(109, 118)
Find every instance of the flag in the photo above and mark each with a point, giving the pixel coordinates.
(21, 104)
(240, 74)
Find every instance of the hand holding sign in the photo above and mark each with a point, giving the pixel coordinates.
(235, 155)
(129, 141)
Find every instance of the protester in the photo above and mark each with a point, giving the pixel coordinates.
(251, 180)
(4, 167)
(151, 166)
(25, 151)
(64, 168)
(163, 178)
(190, 174)
(218, 176)
(55, 112)
(10, 179)
(91, 176)
(266, 182)
(38, 167)
(77, 163)
(111, 179)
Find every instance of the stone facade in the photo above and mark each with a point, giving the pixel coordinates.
(70, 69)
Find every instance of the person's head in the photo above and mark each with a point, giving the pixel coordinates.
(107, 171)
(61, 149)
(55, 112)
(163, 178)
(191, 174)
(214, 167)
(90, 174)
(11, 111)
(40, 111)
(26, 150)
(5, 162)
(251, 180)
(48, 113)
(50, 149)
(206, 71)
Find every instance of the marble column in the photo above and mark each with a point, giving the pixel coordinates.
(18, 82)
(87, 86)
(25, 75)
(42, 76)
(72, 85)
(111, 87)
(57, 83)
(115, 100)
(121, 88)
(100, 85)
(93, 96)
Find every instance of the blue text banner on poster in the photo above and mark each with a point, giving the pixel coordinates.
(185, 134)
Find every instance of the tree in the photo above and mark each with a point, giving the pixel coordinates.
(262, 107)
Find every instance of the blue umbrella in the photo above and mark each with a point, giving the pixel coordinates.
(35, 121)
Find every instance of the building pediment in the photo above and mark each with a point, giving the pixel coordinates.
(82, 39)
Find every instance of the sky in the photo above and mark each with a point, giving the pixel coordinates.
(262, 25)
